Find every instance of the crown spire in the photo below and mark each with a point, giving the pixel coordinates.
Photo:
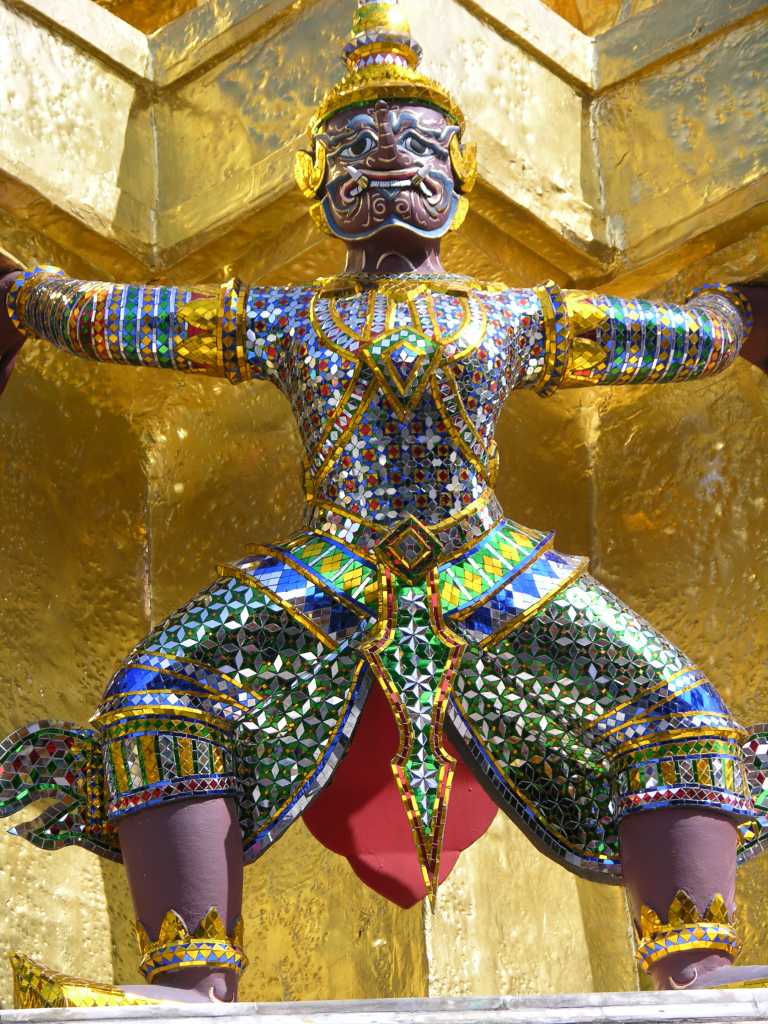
(381, 34)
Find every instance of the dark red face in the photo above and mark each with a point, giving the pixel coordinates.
(389, 167)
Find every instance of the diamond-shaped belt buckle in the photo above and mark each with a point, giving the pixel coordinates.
(410, 548)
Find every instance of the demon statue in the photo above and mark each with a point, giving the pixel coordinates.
(412, 659)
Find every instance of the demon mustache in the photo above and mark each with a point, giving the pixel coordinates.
(392, 181)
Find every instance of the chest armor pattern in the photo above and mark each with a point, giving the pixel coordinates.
(400, 396)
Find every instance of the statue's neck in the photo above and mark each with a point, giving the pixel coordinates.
(406, 254)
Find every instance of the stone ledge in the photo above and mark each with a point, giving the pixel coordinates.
(605, 1008)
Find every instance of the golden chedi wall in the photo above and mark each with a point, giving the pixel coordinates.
(624, 149)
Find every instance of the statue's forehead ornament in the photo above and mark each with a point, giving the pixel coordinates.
(382, 59)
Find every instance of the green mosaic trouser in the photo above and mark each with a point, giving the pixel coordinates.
(586, 713)
(582, 714)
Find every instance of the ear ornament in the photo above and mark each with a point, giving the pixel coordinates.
(464, 164)
(309, 170)
(462, 209)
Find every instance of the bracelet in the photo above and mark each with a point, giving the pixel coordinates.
(557, 337)
(686, 929)
(734, 295)
(16, 299)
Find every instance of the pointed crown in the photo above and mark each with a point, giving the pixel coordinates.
(683, 913)
(382, 59)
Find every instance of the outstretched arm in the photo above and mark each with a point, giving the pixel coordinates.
(594, 339)
(231, 331)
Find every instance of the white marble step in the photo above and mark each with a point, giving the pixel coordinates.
(604, 1008)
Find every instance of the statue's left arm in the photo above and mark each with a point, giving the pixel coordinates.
(591, 339)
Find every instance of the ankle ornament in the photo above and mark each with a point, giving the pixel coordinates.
(176, 948)
(685, 929)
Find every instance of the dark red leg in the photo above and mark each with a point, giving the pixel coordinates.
(187, 857)
(666, 850)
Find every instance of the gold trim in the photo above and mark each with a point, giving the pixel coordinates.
(345, 435)
(190, 661)
(404, 287)
(221, 305)
(674, 734)
(400, 408)
(384, 81)
(384, 47)
(243, 577)
(450, 426)
(309, 574)
(550, 336)
(476, 309)
(529, 613)
(149, 708)
(201, 947)
(483, 598)
(38, 987)
(396, 291)
(468, 512)
(327, 506)
(644, 715)
(19, 292)
(685, 929)
(319, 530)
(241, 329)
(179, 711)
(217, 694)
(333, 418)
(428, 847)
(646, 693)
(442, 524)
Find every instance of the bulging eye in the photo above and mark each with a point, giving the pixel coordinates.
(362, 145)
(416, 145)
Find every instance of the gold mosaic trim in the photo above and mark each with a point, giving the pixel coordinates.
(582, 567)
(37, 987)
(177, 948)
(724, 732)
(244, 577)
(685, 929)
(385, 81)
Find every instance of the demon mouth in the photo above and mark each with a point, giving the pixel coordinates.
(390, 183)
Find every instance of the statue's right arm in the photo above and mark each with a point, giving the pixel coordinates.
(229, 331)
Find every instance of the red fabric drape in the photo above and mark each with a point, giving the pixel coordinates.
(360, 814)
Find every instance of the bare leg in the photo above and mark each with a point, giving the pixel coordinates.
(663, 851)
(187, 857)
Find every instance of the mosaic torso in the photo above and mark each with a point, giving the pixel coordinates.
(397, 401)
